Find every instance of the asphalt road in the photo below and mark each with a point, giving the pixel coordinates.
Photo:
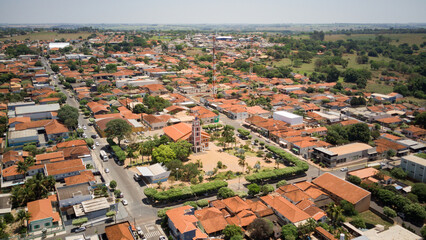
(138, 212)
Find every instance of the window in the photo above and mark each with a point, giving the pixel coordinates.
(47, 224)
(36, 226)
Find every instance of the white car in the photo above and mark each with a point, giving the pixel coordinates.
(163, 238)
(139, 231)
(80, 229)
(79, 126)
(106, 170)
(84, 127)
(124, 202)
(345, 169)
(97, 143)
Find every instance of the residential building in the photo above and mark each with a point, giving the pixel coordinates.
(415, 167)
(183, 223)
(120, 231)
(74, 194)
(42, 215)
(339, 189)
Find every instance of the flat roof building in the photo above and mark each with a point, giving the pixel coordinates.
(288, 117)
(344, 154)
(415, 167)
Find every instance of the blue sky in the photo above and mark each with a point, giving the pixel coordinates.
(214, 11)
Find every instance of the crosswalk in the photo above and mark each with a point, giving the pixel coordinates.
(152, 234)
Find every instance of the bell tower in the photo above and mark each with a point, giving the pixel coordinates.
(196, 136)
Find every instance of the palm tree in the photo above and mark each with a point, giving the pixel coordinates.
(23, 216)
(242, 163)
(22, 168)
(335, 213)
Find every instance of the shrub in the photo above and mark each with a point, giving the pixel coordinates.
(253, 189)
(354, 179)
(162, 212)
(389, 212)
(8, 218)
(79, 221)
(191, 203)
(225, 192)
(281, 183)
(110, 213)
(348, 208)
(298, 168)
(358, 222)
(202, 203)
(150, 192)
(265, 189)
(177, 194)
(398, 173)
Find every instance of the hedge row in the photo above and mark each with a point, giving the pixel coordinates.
(298, 168)
(121, 155)
(188, 192)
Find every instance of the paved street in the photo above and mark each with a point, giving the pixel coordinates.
(137, 211)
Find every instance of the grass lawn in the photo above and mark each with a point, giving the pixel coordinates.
(49, 36)
(371, 219)
(421, 102)
(378, 88)
(162, 38)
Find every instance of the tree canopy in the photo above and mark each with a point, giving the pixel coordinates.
(68, 115)
(118, 128)
(163, 154)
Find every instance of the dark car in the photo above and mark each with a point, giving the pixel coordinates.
(94, 136)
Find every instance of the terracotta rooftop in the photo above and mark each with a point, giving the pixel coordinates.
(341, 188)
(119, 231)
(42, 209)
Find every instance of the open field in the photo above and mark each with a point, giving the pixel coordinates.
(49, 36)
(410, 38)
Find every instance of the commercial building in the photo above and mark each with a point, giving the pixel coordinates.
(341, 155)
(58, 45)
(415, 167)
(288, 117)
(35, 112)
(154, 173)
(19, 138)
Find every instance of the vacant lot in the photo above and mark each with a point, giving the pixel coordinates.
(49, 36)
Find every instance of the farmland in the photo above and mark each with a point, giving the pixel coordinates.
(48, 36)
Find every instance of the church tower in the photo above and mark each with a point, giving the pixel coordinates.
(196, 135)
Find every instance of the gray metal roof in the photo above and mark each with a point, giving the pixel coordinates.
(37, 109)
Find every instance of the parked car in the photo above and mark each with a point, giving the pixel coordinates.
(80, 229)
(106, 170)
(94, 136)
(124, 202)
(162, 238)
(139, 231)
(97, 143)
(345, 169)
(137, 177)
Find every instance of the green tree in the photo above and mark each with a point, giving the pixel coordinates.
(68, 115)
(354, 179)
(281, 183)
(389, 212)
(182, 149)
(118, 128)
(289, 232)
(419, 189)
(54, 68)
(335, 213)
(398, 173)
(253, 189)
(265, 189)
(79, 221)
(423, 232)
(348, 208)
(23, 216)
(90, 141)
(22, 168)
(232, 230)
(359, 132)
(163, 154)
(358, 222)
(260, 228)
(111, 68)
(421, 119)
(415, 212)
(225, 192)
(113, 184)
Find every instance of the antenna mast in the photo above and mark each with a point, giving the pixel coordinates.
(214, 66)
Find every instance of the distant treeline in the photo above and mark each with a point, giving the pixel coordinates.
(378, 31)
